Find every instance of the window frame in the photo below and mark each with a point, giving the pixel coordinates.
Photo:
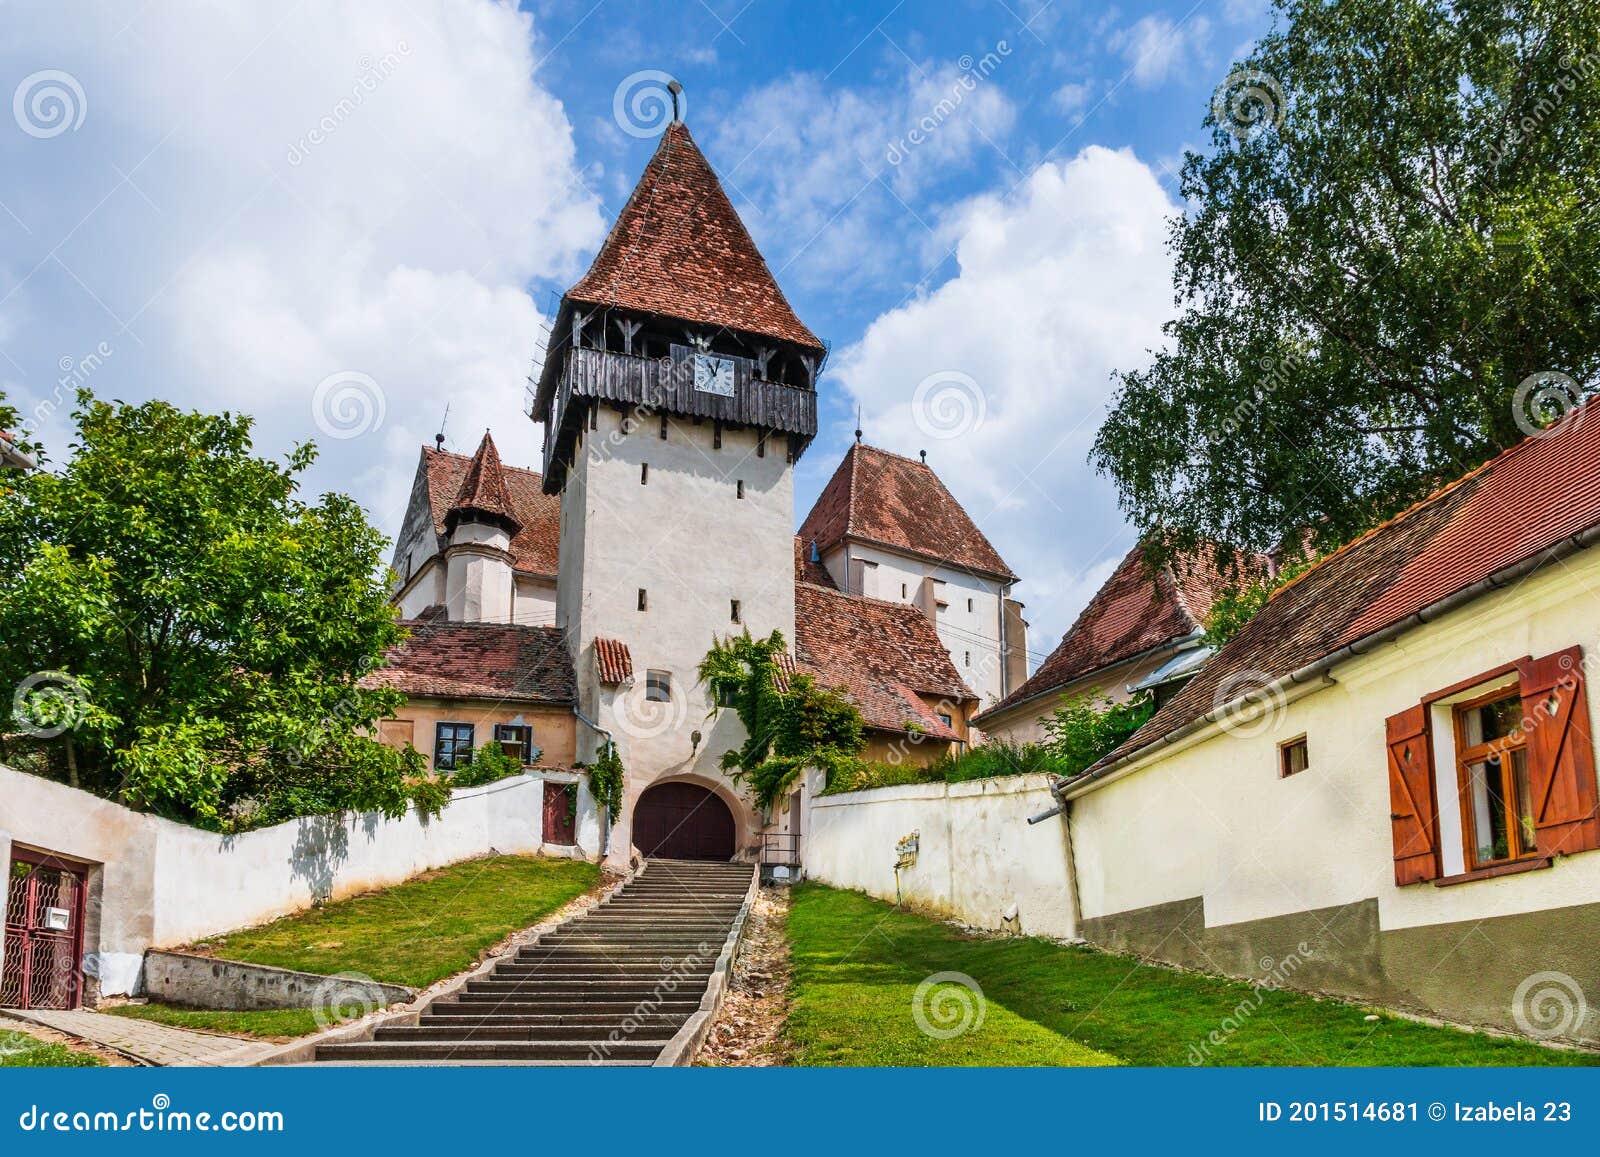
(526, 739)
(1503, 750)
(654, 680)
(457, 727)
(1284, 748)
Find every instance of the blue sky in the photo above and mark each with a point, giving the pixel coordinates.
(343, 217)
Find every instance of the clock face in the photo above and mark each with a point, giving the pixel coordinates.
(713, 375)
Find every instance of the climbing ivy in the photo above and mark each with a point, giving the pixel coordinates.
(790, 722)
(605, 780)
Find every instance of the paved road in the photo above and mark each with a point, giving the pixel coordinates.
(146, 1041)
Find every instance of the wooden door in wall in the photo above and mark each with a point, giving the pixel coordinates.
(43, 965)
(560, 813)
(683, 821)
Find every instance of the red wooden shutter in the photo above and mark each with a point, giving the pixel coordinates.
(1412, 809)
(1555, 719)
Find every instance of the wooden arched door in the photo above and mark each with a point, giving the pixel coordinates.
(683, 821)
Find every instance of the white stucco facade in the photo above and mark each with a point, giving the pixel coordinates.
(696, 527)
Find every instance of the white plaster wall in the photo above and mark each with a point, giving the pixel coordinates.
(425, 590)
(533, 602)
(163, 884)
(1213, 818)
(478, 582)
(972, 637)
(978, 860)
(693, 545)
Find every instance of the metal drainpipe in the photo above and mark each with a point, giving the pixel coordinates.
(605, 817)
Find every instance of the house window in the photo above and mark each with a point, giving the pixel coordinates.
(739, 488)
(644, 600)
(644, 473)
(946, 719)
(1293, 757)
(452, 746)
(658, 686)
(1492, 773)
(733, 608)
(516, 740)
(726, 697)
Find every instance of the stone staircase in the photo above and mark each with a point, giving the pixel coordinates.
(611, 987)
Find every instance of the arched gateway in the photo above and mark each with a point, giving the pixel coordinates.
(683, 821)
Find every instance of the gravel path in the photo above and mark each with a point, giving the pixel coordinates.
(749, 1029)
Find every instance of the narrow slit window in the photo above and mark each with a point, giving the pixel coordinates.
(644, 599)
(733, 611)
(663, 427)
(644, 473)
(761, 444)
(738, 488)
(1293, 757)
(969, 606)
(716, 435)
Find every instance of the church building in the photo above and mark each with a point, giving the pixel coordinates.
(559, 610)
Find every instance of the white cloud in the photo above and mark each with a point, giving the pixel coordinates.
(1156, 47)
(828, 177)
(1072, 97)
(1058, 285)
(262, 196)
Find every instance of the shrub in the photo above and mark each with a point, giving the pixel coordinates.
(489, 763)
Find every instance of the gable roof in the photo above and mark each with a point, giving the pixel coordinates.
(1134, 612)
(1537, 500)
(678, 249)
(535, 546)
(808, 571)
(894, 502)
(882, 655)
(483, 491)
(479, 661)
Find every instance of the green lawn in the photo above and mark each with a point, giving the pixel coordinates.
(857, 964)
(18, 1050)
(420, 931)
(270, 1024)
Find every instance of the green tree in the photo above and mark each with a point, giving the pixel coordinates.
(790, 723)
(187, 634)
(1085, 728)
(1396, 227)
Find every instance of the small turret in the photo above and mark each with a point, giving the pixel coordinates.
(481, 524)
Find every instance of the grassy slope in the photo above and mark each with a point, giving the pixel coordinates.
(18, 1050)
(418, 932)
(270, 1024)
(857, 962)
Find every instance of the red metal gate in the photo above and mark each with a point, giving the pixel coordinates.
(44, 934)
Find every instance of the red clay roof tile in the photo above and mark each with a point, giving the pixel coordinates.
(885, 656)
(483, 490)
(878, 497)
(678, 249)
(1534, 496)
(479, 661)
(535, 547)
(613, 661)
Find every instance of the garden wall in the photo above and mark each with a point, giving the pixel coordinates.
(977, 860)
(154, 883)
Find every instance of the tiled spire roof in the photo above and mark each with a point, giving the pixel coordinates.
(483, 494)
(678, 249)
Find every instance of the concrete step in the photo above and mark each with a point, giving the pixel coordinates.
(454, 1051)
(659, 1031)
(641, 971)
(346, 1063)
(581, 989)
(553, 1020)
(488, 1004)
